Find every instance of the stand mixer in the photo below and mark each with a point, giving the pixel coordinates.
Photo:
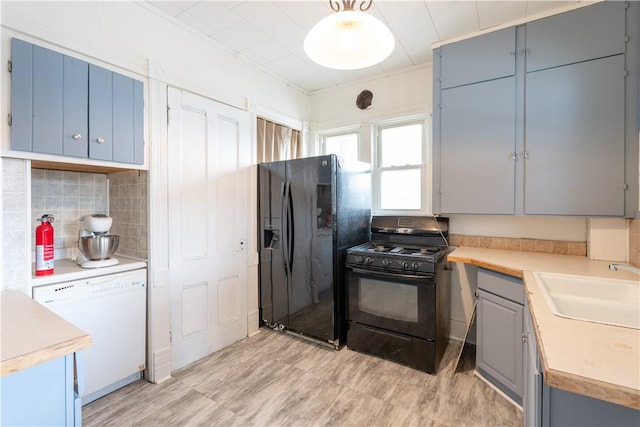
(95, 244)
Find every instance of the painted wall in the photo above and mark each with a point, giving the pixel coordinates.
(410, 92)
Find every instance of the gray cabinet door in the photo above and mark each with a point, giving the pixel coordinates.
(75, 107)
(123, 119)
(532, 387)
(47, 101)
(21, 95)
(477, 133)
(575, 139)
(486, 57)
(564, 408)
(138, 122)
(499, 347)
(579, 35)
(128, 118)
(100, 113)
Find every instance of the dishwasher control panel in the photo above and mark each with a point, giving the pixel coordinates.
(79, 290)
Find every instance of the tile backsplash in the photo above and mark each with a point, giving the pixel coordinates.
(634, 241)
(67, 196)
(518, 244)
(128, 207)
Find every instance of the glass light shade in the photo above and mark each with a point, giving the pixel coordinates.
(349, 40)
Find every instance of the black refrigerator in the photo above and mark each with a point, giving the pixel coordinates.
(309, 211)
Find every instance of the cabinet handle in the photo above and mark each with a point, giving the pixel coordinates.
(513, 156)
(100, 140)
(525, 339)
(77, 136)
(525, 155)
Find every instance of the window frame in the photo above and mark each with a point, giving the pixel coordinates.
(323, 135)
(424, 166)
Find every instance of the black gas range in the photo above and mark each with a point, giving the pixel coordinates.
(393, 258)
(398, 291)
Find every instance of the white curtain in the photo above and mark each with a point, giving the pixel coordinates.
(277, 142)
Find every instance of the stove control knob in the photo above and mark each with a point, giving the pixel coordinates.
(405, 265)
(368, 261)
(385, 262)
(415, 266)
(358, 260)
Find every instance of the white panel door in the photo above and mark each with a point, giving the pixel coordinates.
(208, 150)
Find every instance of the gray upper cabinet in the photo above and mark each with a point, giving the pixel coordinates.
(486, 57)
(569, 127)
(67, 107)
(587, 33)
(128, 119)
(478, 125)
(47, 101)
(75, 107)
(22, 105)
(575, 139)
(101, 117)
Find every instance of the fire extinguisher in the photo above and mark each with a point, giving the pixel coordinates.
(44, 246)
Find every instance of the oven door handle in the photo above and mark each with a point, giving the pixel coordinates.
(391, 275)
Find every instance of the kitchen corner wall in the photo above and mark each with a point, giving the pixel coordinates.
(128, 206)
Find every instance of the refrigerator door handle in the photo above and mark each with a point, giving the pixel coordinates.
(290, 228)
(285, 229)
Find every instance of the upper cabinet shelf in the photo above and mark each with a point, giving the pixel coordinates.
(64, 106)
(542, 118)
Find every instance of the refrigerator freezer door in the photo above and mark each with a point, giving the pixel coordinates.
(273, 273)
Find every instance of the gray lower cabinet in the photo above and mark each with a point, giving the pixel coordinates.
(499, 352)
(563, 408)
(547, 406)
(532, 391)
(67, 107)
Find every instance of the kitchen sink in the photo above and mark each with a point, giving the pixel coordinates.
(609, 301)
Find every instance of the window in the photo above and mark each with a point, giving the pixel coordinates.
(399, 171)
(344, 145)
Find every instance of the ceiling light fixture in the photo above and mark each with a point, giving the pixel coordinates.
(349, 39)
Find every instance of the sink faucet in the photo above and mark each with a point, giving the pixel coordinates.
(616, 267)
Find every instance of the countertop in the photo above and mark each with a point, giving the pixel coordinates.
(66, 270)
(32, 334)
(592, 359)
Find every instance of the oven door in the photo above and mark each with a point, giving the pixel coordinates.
(396, 302)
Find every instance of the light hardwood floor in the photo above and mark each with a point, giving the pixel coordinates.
(274, 379)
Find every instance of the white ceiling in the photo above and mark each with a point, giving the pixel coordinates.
(270, 34)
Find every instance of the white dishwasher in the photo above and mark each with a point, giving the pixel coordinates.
(112, 309)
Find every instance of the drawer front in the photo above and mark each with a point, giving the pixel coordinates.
(501, 284)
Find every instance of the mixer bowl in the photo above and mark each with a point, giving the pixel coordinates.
(97, 248)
